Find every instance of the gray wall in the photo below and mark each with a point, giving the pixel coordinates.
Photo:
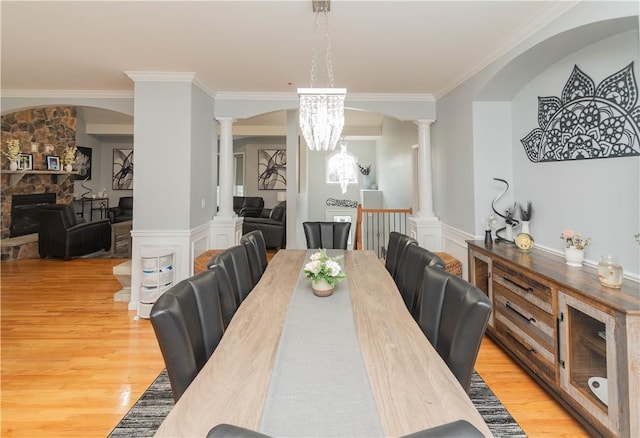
(479, 125)
(599, 198)
(393, 162)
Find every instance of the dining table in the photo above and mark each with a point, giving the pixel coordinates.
(352, 364)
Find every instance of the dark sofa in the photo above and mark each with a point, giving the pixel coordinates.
(273, 225)
(248, 206)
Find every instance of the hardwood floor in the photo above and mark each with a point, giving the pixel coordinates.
(74, 361)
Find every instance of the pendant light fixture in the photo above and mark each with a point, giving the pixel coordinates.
(321, 109)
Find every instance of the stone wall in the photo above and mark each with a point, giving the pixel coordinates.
(42, 132)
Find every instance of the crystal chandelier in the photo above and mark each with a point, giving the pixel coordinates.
(321, 109)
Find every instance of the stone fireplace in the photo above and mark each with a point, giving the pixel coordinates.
(41, 132)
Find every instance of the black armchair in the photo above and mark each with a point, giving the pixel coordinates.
(248, 206)
(274, 227)
(60, 234)
(123, 212)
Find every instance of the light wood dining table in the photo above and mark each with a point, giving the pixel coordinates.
(412, 387)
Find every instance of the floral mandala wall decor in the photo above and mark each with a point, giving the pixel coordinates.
(587, 121)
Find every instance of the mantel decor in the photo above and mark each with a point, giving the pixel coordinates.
(588, 121)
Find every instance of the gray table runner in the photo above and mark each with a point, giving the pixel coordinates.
(319, 385)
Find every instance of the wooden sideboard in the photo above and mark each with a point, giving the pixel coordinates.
(578, 339)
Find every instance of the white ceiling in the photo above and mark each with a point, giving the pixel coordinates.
(417, 47)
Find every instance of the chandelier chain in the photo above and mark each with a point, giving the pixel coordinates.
(316, 42)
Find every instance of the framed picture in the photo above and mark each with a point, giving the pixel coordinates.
(122, 178)
(83, 162)
(272, 169)
(53, 162)
(25, 162)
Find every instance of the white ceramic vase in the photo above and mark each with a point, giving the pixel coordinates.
(573, 256)
(321, 288)
(525, 227)
(68, 167)
(13, 165)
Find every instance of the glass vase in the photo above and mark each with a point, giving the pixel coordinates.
(610, 272)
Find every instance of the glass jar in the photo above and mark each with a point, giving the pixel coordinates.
(610, 272)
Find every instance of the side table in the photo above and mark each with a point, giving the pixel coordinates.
(121, 239)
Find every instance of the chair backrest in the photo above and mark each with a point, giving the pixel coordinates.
(227, 292)
(279, 212)
(235, 262)
(410, 274)
(453, 316)
(392, 251)
(57, 215)
(404, 242)
(126, 203)
(327, 235)
(188, 324)
(254, 244)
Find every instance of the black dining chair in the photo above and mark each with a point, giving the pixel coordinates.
(327, 235)
(187, 321)
(404, 242)
(227, 292)
(410, 274)
(455, 429)
(453, 316)
(254, 244)
(235, 262)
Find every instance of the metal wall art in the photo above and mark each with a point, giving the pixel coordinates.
(332, 202)
(587, 121)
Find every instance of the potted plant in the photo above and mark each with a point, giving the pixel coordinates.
(365, 171)
(574, 247)
(324, 272)
(12, 152)
(69, 157)
(525, 216)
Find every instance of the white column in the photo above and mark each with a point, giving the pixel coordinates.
(226, 167)
(425, 226)
(424, 169)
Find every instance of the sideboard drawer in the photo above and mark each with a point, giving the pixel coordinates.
(524, 286)
(534, 355)
(528, 318)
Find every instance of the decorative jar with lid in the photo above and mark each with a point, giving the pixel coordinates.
(610, 272)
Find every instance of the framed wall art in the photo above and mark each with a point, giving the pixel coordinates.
(25, 162)
(122, 178)
(53, 162)
(83, 162)
(272, 169)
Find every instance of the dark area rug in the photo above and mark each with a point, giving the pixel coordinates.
(147, 414)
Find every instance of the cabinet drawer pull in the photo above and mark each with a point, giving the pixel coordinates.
(510, 334)
(518, 285)
(520, 314)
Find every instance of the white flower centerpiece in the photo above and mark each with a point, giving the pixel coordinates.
(324, 272)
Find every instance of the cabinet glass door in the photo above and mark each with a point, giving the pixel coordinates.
(588, 371)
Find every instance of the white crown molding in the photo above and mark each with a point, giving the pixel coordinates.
(167, 76)
(247, 95)
(69, 94)
(371, 97)
(160, 76)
